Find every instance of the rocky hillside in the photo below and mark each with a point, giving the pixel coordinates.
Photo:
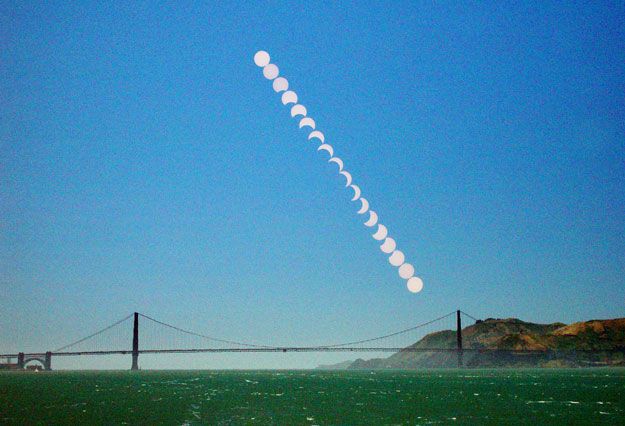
(555, 343)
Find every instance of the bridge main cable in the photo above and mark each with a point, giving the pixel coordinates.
(246, 344)
(388, 335)
(93, 334)
(193, 333)
(334, 345)
(470, 316)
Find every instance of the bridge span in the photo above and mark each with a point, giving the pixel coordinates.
(406, 340)
(229, 346)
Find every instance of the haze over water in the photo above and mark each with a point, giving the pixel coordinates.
(591, 396)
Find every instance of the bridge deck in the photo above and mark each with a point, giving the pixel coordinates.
(301, 349)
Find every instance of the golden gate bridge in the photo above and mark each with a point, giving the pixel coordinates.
(118, 342)
(385, 343)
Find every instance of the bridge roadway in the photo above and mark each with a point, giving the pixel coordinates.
(297, 349)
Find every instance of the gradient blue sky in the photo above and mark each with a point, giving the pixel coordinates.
(146, 165)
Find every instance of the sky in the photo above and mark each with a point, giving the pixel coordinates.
(146, 165)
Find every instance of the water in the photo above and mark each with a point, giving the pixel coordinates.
(538, 397)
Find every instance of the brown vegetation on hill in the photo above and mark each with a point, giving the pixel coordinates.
(497, 342)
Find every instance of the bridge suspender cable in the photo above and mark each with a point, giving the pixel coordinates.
(192, 333)
(335, 345)
(252, 345)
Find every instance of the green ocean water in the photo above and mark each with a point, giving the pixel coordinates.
(539, 397)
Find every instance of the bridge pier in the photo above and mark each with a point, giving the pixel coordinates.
(20, 360)
(48, 361)
(135, 343)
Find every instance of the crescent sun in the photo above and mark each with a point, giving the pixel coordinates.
(388, 246)
(356, 192)
(338, 161)
(298, 109)
(289, 97)
(326, 147)
(307, 121)
(365, 206)
(317, 134)
(397, 258)
(381, 233)
(373, 219)
(347, 176)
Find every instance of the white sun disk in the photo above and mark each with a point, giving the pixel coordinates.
(271, 71)
(261, 58)
(406, 271)
(414, 284)
(280, 84)
(289, 97)
(397, 258)
(388, 246)
(298, 110)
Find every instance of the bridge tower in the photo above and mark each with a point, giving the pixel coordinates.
(47, 365)
(459, 338)
(135, 343)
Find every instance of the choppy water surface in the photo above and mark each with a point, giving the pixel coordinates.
(593, 396)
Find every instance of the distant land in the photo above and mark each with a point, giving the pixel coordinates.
(557, 342)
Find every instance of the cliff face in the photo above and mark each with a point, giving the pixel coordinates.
(514, 334)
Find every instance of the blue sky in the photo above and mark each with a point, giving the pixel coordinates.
(146, 165)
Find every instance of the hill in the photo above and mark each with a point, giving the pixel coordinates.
(552, 345)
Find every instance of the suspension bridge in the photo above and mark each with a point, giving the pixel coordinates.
(155, 343)
(137, 334)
